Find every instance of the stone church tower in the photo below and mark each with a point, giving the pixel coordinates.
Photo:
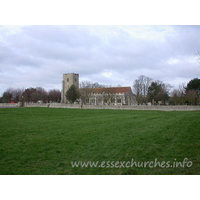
(68, 80)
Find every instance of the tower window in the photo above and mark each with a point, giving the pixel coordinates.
(67, 79)
(75, 79)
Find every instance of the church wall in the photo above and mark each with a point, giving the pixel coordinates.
(68, 80)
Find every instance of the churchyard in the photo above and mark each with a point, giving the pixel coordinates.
(119, 142)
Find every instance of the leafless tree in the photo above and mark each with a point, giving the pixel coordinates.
(17, 93)
(182, 93)
(175, 97)
(191, 96)
(86, 88)
(8, 95)
(178, 95)
(42, 93)
(54, 95)
(35, 96)
(140, 88)
(12, 94)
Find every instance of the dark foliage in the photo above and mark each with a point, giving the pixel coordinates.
(72, 94)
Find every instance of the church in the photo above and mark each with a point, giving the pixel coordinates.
(98, 96)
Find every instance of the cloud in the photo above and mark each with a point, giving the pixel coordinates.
(33, 56)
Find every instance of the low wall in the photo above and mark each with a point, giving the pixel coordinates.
(143, 107)
(9, 105)
(124, 107)
(52, 105)
(35, 105)
(63, 105)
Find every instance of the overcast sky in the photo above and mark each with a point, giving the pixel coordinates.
(37, 56)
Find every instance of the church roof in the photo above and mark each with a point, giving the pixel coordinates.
(112, 90)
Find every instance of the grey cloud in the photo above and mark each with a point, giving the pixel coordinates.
(39, 55)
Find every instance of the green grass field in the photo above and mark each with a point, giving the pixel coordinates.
(47, 140)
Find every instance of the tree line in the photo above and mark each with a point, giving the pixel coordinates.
(54, 95)
(144, 88)
(148, 90)
(30, 95)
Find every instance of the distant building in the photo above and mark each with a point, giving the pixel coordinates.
(99, 96)
(68, 80)
(112, 96)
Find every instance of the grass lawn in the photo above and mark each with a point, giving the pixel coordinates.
(46, 140)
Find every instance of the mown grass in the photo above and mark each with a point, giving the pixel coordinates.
(46, 140)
